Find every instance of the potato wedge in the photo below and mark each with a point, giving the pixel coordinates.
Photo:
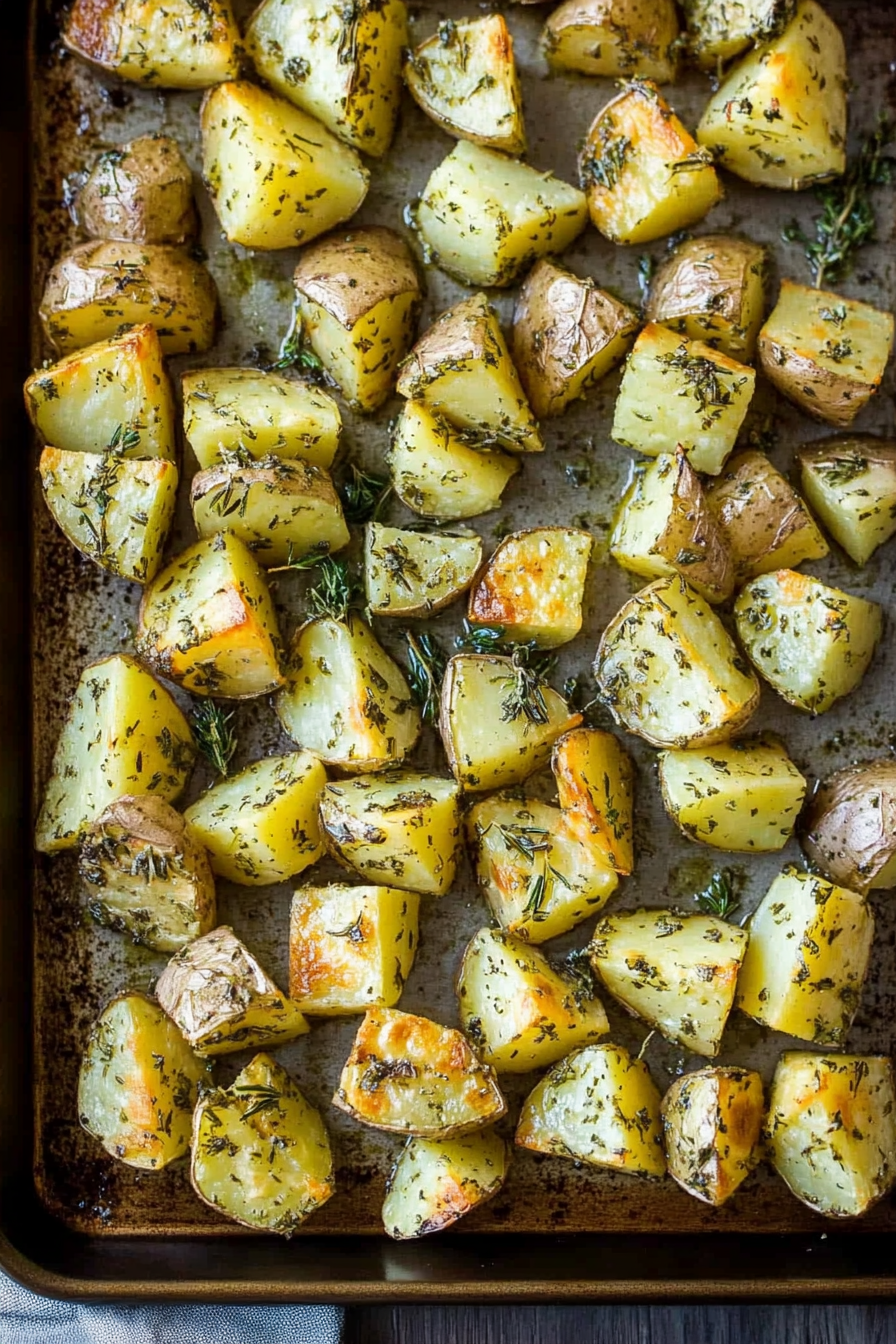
(207, 621)
(849, 830)
(606, 37)
(567, 334)
(669, 671)
(350, 948)
(493, 730)
(276, 177)
(98, 290)
(850, 482)
(345, 698)
(399, 825)
(261, 1153)
(408, 1075)
(825, 353)
(217, 994)
(341, 64)
(712, 1120)
(812, 643)
(119, 385)
(644, 175)
(141, 192)
(260, 414)
(697, 396)
(779, 117)
(595, 782)
(742, 796)
(146, 876)
(465, 78)
(261, 825)
(676, 971)
(600, 1106)
(436, 1181)
(439, 473)
(715, 32)
(831, 1129)
(664, 525)
(461, 369)
(533, 587)
(138, 1084)
(124, 733)
(485, 218)
(712, 289)
(808, 956)
(181, 45)
(763, 521)
(417, 573)
(539, 869)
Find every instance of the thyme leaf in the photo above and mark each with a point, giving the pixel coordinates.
(426, 668)
(294, 353)
(719, 897)
(703, 379)
(214, 736)
(364, 495)
(335, 592)
(267, 1098)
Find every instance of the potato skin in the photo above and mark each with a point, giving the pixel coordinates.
(351, 273)
(183, 44)
(141, 192)
(849, 830)
(712, 288)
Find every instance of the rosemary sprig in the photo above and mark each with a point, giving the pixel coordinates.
(719, 897)
(493, 639)
(526, 840)
(399, 564)
(123, 439)
(300, 562)
(294, 353)
(214, 736)
(426, 668)
(535, 896)
(335, 592)
(353, 932)
(267, 1098)
(364, 495)
(525, 688)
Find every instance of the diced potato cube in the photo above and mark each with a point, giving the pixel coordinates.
(742, 796)
(465, 78)
(716, 32)
(399, 825)
(436, 1181)
(276, 177)
(831, 1129)
(675, 391)
(669, 671)
(849, 831)
(141, 192)
(261, 1153)
(260, 414)
(599, 1106)
(606, 37)
(146, 876)
(439, 473)
(416, 573)
(644, 175)
(595, 782)
(350, 948)
(138, 1084)
(409, 1075)
(124, 734)
(850, 482)
(533, 587)
(485, 218)
(676, 971)
(221, 999)
(712, 289)
(178, 45)
(762, 519)
(345, 698)
(207, 621)
(779, 118)
(808, 955)
(461, 369)
(261, 825)
(711, 1124)
(812, 643)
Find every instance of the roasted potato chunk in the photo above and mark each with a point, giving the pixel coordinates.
(217, 994)
(712, 289)
(259, 414)
(261, 825)
(779, 117)
(276, 177)
(716, 30)
(825, 353)
(812, 643)
(762, 519)
(794, 978)
(141, 192)
(676, 971)
(604, 37)
(595, 782)
(697, 396)
(350, 948)
(123, 734)
(440, 472)
(399, 825)
(518, 1011)
(567, 334)
(849, 830)
(533, 587)
(261, 1153)
(207, 621)
(145, 874)
(461, 369)
(178, 45)
(850, 482)
(409, 1075)
(436, 1181)
(600, 1106)
(669, 671)
(100, 289)
(138, 1084)
(643, 173)
(742, 796)
(665, 526)
(417, 573)
(340, 64)
(831, 1130)
(485, 218)
(712, 1121)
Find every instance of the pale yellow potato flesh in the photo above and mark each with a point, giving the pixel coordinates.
(417, 573)
(436, 1181)
(712, 1121)
(533, 587)
(618, 38)
(850, 482)
(260, 414)
(178, 45)
(438, 474)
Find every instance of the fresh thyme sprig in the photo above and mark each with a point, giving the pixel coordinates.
(525, 688)
(294, 353)
(364, 495)
(214, 736)
(426, 668)
(335, 592)
(719, 897)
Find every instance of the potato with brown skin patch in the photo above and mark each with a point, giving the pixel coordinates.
(141, 192)
(850, 482)
(178, 45)
(712, 1120)
(712, 289)
(764, 522)
(849, 830)
(614, 37)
